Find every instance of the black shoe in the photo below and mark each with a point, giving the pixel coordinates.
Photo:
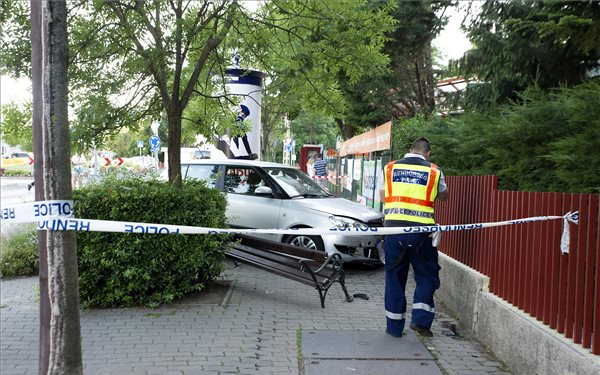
(423, 331)
(29, 187)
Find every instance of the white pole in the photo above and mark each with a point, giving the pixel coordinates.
(96, 168)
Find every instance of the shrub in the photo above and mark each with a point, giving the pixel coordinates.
(546, 142)
(123, 269)
(16, 173)
(19, 253)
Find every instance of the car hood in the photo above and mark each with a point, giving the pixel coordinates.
(340, 207)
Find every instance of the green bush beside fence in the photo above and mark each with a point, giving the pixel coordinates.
(124, 269)
(19, 253)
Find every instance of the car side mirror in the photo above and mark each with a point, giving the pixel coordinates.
(263, 191)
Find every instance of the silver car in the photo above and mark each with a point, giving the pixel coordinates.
(264, 195)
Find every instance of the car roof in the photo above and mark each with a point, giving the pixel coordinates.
(241, 162)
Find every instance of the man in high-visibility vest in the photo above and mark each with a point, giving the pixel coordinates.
(411, 186)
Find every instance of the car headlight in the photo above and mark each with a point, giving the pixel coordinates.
(341, 222)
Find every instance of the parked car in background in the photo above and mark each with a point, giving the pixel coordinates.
(16, 160)
(16, 155)
(267, 195)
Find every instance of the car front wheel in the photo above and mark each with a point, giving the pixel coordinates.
(308, 242)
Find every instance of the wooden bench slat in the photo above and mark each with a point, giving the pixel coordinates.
(283, 259)
(316, 255)
(264, 264)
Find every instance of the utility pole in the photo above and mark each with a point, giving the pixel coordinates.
(60, 336)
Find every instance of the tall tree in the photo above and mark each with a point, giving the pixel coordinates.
(176, 41)
(311, 49)
(164, 56)
(60, 336)
(412, 83)
(311, 128)
(406, 88)
(522, 43)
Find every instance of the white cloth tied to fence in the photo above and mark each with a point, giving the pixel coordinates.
(570, 217)
(58, 215)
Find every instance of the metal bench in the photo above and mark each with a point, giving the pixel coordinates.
(309, 267)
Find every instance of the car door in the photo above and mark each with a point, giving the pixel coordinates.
(244, 208)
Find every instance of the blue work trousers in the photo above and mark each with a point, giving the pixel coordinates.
(400, 251)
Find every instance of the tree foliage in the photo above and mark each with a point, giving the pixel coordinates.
(310, 128)
(545, 142)
(15, 43)
(521, 43)
(406, 88)
(16, 124)
(409, 46)
(311, 49)
(135, 60)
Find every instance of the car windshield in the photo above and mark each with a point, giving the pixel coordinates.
(296, 183)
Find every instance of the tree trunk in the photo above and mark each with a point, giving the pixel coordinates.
(174, 145)
(60, 336)
(267, 126)
(425, 80)
(430, 82)
(346, 130)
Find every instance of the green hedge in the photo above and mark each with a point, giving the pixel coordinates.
(19, 253)
(7, 172)
(123, 269)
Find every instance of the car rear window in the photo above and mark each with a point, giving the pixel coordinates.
(208, 173)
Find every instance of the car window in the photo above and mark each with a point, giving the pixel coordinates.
(242, 180)
(296, 183)
(208, 173)
(201, 154)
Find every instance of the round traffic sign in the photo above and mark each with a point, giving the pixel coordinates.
(154, 142)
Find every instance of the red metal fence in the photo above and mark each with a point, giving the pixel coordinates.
(524, 262)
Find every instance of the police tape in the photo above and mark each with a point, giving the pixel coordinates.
(34, 211)
(57, 215)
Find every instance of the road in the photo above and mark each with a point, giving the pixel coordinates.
(13, 191)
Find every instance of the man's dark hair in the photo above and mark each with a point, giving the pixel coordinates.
(421, 145)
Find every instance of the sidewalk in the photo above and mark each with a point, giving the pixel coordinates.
(255, 329)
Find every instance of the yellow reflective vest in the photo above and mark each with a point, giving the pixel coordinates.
(410, 189)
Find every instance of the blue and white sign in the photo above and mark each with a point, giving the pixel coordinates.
(154, 142)
(140, 144)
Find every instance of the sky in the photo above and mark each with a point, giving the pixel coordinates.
(452, 43)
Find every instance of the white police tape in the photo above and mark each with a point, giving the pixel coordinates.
(34, 211)
(54, 215)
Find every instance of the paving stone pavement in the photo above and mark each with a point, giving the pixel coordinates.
(254, 331)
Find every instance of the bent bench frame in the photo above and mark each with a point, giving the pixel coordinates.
(306, 266)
